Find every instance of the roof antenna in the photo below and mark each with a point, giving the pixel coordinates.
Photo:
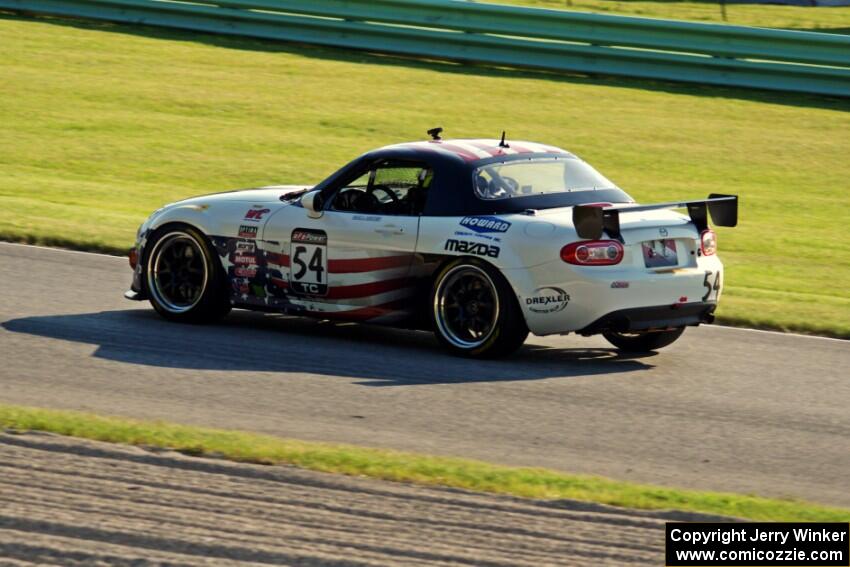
(435, 133)
(503, 144)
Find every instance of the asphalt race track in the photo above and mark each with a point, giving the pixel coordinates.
(722, 409)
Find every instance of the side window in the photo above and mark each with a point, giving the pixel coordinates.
(388, 188)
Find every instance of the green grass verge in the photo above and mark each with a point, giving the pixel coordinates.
(101, 124)
(408, 467)
(832, 19)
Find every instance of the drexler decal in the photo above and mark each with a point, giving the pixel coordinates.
(246, 231)
(485, 224)
(478, 248)
(548, 300)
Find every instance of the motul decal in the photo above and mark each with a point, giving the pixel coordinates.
(247, 260)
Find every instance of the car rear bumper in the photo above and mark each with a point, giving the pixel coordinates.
(587, 299)
(657, 317)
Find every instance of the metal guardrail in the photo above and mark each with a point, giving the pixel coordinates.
(507, 35)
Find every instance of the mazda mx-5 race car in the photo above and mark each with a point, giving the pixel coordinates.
(481, 241)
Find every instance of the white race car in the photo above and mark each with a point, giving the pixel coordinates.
(480, 241)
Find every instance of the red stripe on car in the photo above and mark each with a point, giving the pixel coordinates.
(520, 149)
(467, 155)
(363, 313)
(367, 289)
(490, 149)
(359, 265)
(279, 259)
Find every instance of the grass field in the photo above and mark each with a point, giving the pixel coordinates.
(821, 19)
(100, 125)
(408, 467)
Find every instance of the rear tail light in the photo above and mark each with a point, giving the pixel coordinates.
(133, 256)
(708, 242)
(593, 253)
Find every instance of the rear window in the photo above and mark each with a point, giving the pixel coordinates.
(538, 176)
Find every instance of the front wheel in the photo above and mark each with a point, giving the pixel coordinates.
(185, 281)
(474, 311)
(645, 341)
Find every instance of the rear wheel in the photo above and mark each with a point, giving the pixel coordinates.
(185, 280)
(474, 311)
(645, 341)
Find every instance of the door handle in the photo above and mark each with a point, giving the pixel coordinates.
(388, 229)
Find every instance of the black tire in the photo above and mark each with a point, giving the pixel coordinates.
(646, 341)
(474, 311)
(185, 280)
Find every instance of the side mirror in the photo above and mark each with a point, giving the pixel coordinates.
(312, 203)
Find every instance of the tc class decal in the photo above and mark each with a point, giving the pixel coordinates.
(308, 267)
(256, 214)
(478, 248)
(548, 300)
(246, 231)
(485, 224)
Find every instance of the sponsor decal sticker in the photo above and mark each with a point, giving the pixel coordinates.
(477, 248)
(547, 299)
(246, 231)
(247, 260)
(256, 214)
(476, 235)
(619, 285)
(367, 218)
(662, 231)
(485, 224)
(245, 247)
(309, 236)
(242, 272)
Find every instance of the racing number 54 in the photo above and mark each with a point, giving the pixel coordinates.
(316, 264)
(309, 268)
(711, 287)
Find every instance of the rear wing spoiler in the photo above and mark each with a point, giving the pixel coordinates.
(590, 221)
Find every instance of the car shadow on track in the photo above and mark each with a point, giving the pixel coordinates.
(255, 342)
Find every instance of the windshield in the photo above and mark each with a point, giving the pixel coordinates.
(542, 176)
